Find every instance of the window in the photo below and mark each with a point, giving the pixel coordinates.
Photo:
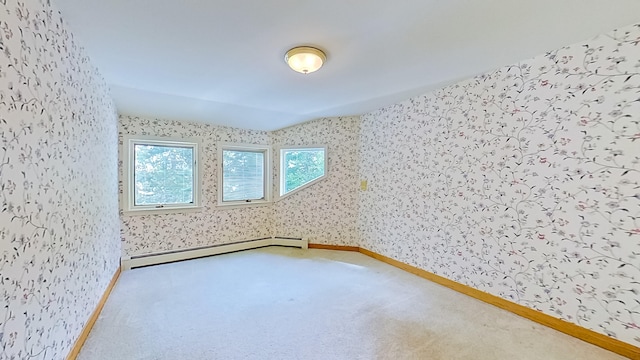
(301, 167)
(244, 174)
(160, 174)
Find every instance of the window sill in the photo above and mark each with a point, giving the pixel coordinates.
(162, 211)
(242, 205)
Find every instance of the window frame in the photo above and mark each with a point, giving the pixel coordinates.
(128, 200)
(282, 180)
(266, 150)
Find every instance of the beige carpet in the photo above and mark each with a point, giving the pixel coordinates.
(284, 303)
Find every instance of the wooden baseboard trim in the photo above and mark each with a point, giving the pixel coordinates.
(92, 319)
(334, 247)
(590, 336)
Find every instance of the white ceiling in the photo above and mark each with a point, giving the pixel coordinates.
(222, 62)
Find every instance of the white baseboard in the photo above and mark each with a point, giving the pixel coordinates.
(161, 258)
(302, 243)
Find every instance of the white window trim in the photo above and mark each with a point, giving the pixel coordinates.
(281, 172)
(267, 174)
(128, 206)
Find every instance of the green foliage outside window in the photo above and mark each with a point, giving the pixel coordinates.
(163, 174)
(302, 166)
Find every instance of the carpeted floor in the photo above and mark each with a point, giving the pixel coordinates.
(285, 303)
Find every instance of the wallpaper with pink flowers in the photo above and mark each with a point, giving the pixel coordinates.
(327, 211)
(523, 182)
(213, 225)
(59, 243)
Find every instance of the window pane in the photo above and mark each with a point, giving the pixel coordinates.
(242, 175)
(163, 174)
(302, 166)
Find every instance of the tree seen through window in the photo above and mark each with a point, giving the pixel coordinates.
(302, 166)
(163, 174)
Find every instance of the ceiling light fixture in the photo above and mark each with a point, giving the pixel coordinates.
(305, 59)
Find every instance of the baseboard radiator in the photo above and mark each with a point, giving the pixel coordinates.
(178, 255)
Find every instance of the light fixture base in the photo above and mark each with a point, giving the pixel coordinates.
(305, 59)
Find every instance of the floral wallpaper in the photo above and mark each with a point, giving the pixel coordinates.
(326, 212)
(59, 243)
(148, 234)
(296, 215)
(523, 182)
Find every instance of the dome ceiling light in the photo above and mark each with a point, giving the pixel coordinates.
(305, 59)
